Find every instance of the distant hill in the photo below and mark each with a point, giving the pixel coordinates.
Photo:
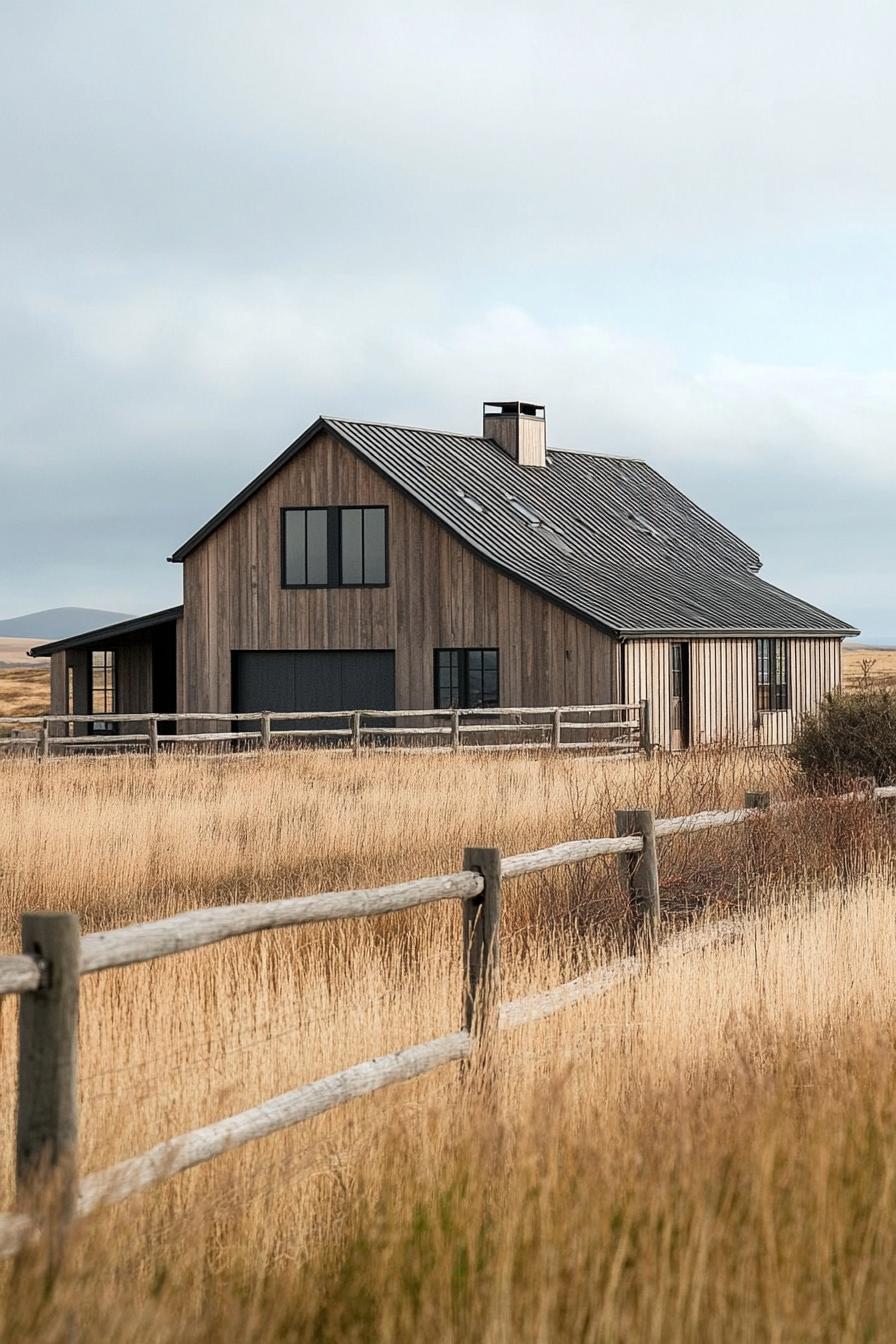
(59, 623)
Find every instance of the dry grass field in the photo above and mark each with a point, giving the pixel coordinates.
(706, 1154)
(24, 681)
(24, 690)
(876, 667)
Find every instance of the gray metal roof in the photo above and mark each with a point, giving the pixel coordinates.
(607, 537)
(111, 633)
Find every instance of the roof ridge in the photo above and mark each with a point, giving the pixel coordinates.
(413, 429)
(604, 457)
(477, 438)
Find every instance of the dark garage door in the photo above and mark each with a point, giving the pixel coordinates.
(310, 680)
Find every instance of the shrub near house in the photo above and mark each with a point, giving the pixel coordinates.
(849, 735)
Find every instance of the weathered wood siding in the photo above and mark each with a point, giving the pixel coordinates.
(440, 595)
(58, 676)
(723, 687)
(58, 689)
(133, 679)
(648, 676)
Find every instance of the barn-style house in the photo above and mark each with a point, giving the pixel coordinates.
(383, 567)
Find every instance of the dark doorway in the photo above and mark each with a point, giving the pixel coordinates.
(313, 680)
(164, 674)
(681, 696)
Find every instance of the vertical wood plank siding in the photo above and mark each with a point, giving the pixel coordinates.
(648, 676)
(133, 679)
(440, 595)
(58, 689)
(723, 688)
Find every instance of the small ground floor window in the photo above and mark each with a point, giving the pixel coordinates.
(466, 678)
(102, 688)
(772, 674)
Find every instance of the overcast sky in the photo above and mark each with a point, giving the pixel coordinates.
(672, 223)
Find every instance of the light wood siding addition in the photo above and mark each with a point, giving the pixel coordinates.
(723, 688)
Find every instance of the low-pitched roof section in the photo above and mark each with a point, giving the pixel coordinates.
(607, 537)
(108, 632)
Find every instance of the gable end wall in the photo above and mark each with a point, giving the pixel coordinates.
(440, 595)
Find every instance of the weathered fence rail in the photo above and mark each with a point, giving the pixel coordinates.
(530, 727)
(55, 956)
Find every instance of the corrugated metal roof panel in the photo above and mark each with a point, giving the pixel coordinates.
(607, 536)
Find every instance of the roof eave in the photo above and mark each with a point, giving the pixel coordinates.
(749, 632)
(117, 631)
(247, 492)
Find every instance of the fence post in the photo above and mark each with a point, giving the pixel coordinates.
(555, 730)
(265, 732)
(482, 917)
(455, 730)
(154, 740)
(47, 1120)
(645, 729)
(761, 801)
(356, 732)
(639, 872)
(43, 741)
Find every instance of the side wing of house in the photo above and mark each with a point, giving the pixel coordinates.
(714, 691)
(439, 596)
(129, 668)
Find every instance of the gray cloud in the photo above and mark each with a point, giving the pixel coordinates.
(671, 224)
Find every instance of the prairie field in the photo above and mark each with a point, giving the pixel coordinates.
(868, 666)
(707, 1152)
(24, 690)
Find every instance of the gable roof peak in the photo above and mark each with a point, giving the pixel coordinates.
(609, 538)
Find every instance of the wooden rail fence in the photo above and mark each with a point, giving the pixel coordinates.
(532, 727)
(55, 955)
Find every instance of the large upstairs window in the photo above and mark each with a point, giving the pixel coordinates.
(335, 548)
(772, 675)
(305, 551)
(362, 547)
(466, 678)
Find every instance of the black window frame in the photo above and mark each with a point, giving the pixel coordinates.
(364, 510)
(108, 689)
(334, 514)
(459, 678)
(772, 675)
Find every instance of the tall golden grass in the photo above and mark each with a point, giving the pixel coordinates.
(24, 690)
(704, 1154)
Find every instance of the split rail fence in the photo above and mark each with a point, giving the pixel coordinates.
(54, 957)
(617, 729)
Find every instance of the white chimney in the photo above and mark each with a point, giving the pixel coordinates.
(519, 428)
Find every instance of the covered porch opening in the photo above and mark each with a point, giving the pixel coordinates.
(128, 668)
